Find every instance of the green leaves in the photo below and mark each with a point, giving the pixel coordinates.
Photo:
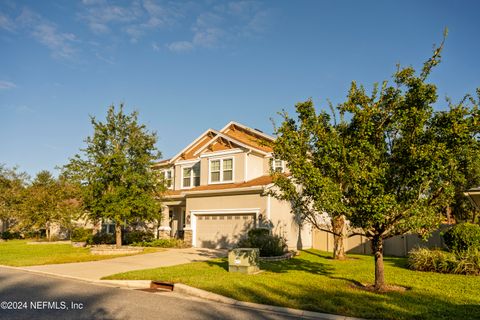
(114, 169)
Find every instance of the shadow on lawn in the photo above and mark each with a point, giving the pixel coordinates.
(357, 303)
(297, 264)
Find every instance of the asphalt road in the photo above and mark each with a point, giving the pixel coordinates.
(25, 295)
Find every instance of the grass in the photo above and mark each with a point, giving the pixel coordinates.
(313, 281)
(18, 253)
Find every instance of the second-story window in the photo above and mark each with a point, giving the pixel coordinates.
(278, 165)
(168, 178)
(221, 170)
(191, 176)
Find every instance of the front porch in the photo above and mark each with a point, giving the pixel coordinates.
(174, 220)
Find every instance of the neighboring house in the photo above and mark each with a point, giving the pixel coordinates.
(216, 187)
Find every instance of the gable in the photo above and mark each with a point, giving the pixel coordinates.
(248, 136)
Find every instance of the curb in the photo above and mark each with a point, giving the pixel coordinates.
(199, 293)
(182, 288)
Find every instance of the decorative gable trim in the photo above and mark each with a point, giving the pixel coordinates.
(231, 140)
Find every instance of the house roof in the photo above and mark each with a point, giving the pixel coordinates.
(234, 132)
(260, 181)
(255, 131)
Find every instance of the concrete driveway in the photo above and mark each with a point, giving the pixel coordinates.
(94, 270)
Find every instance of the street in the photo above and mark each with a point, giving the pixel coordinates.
(25, 295)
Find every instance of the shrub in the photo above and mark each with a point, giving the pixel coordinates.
(137, 236)
(102, 238)
(270, 245)
(162, 243)
(466, 262)
(81, 235)
(463, 237)
(8, 235)
(36, 234)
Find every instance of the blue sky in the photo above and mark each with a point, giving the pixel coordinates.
(190, 65)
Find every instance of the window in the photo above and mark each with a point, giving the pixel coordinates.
(221, 170)
(187, 177)
(108, 227)
(168, 178)
(191, 176)
(227, 169)
(215, 171)
(278, 165)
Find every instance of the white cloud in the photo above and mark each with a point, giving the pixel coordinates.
(59, 43)
(46, 33)
(180, 46)
(135, 20)
(208, 37)
(155, 46)
(225, 23)
(6, 23)
(5, 85)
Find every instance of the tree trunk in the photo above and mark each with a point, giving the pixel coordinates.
(449, 215)
(118, 235)
(377, 247)
(338, 225)
(47, 231)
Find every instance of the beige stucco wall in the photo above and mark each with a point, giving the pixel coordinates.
(281, 219)
(245, 201)
(255, 166)
(284, 224)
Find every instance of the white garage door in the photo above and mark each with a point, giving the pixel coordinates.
(222, 230)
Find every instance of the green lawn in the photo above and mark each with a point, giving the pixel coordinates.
(313, 281)
(18, 253)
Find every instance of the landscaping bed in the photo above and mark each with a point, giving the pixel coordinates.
(313, 281)
(113, 250)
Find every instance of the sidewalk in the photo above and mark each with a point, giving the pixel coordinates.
(94, 270)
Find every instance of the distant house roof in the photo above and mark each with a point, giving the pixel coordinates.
(474, 196)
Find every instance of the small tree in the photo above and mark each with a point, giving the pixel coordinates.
(314, 150)
(12, 186)
(459, 129)
(115, 171)
(40, 204)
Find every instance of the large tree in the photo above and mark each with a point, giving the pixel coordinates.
(314, 149)
(399, 168)
(388, 168)
(115, 171)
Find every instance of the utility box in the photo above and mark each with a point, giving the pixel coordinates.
(244, 260)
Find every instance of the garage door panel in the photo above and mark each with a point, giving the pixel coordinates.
(221, 230)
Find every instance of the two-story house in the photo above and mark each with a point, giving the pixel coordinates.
(216, 187)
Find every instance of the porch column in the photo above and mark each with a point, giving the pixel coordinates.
(187, 231)
(164, 229)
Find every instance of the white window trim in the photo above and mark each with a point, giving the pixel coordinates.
(172, 171)
(220, 153)
(273, 164)
(221, 170)
(191, 175)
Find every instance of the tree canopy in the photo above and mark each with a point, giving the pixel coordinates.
(115, 172)
(391, 168)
